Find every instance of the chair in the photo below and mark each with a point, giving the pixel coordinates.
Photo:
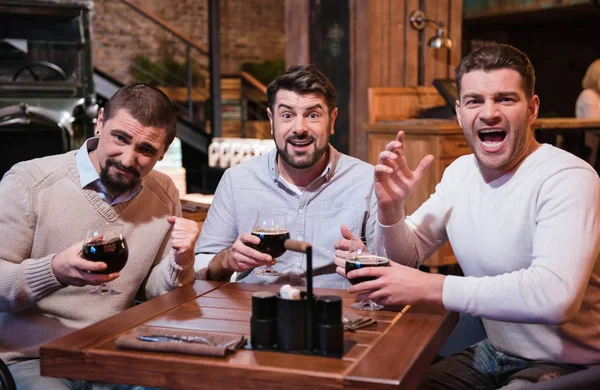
(467, 332)
(588, 379)
(6, 380)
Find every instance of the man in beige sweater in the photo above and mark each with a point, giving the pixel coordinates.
(49, 204)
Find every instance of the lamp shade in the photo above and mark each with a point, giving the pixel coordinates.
(440, 40)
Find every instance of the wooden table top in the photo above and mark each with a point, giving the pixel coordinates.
(393, 353)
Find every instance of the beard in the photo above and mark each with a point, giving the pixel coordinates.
(117, 183)
(301, 161)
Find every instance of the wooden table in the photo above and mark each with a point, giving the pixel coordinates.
(393, 353)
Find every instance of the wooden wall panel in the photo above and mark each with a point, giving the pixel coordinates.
(297, 32)
(455, 29)
(442, 56)
(411, 52)
(429, 65)
(359, 77)
(399, 55)
(397, 59)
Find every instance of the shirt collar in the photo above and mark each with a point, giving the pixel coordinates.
(87, 172)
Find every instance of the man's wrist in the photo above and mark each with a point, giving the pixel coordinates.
(218, 268)
(435, 291)
(390, 215)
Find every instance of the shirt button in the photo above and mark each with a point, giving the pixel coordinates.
(297, 265)
(300, 211)
(299, 238)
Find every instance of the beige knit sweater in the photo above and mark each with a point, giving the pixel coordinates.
(43, 210)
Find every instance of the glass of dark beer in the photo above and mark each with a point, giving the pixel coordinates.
(364, 254)
(106, 244)
(272, 230)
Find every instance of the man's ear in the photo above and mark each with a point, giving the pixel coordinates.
(270, 114)
(332, 118)
(99, 122)
(533, 107)
(457, 109)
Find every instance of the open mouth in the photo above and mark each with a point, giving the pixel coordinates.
(300, 143)
(492, 136)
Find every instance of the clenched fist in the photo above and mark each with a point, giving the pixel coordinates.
(183, 239)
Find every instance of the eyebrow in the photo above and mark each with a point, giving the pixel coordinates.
(127, 136)
(318, 105)
(496, 95)
(505, 94)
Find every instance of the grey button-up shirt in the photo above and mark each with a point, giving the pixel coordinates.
(343, 194)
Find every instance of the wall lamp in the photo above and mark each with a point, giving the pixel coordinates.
(418, 20)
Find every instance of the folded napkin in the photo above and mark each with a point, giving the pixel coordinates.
(354, 321)
(219, 345)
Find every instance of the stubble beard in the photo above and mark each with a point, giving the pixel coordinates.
(307, 160)
(115, 183)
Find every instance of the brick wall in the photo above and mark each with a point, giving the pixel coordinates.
(250, 31)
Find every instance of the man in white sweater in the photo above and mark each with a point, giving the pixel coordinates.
(524, 223)
(48, 205)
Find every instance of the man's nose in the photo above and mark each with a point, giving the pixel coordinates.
(129, 157)
(300, 125)
(489, 112)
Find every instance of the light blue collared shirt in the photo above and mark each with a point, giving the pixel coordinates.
(89, 179)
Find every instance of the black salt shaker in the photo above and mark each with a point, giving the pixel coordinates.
(329, 335)
(263, 323)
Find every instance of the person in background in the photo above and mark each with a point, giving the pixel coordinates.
(50, 203)
(588, 107)
(524, 223)
(324, 194)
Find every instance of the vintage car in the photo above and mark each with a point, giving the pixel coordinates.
(47, 100)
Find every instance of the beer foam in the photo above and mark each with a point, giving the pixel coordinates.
(270, 231)
(369, 259)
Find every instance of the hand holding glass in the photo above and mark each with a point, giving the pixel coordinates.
(272, 230)
(106, 244)
(360, 256)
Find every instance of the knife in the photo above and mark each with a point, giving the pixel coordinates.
(186, 339)
(175, 338)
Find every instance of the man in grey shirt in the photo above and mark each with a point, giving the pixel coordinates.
(325, 194)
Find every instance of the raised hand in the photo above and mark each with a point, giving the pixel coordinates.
(342, 247)
(183, 239)
(394, 181)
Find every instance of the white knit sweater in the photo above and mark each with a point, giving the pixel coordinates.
(529, 245)
(43, 210)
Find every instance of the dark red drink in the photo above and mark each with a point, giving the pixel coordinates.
(271, 241)
(365, 261)
(113, 252)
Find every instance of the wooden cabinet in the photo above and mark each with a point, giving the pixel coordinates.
(443, 139)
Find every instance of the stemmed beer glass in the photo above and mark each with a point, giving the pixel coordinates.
(272, 230)
(362, 255)
(106, 244)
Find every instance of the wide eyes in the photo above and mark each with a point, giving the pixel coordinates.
(312, 115)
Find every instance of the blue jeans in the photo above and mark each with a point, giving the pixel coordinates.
(483, 367)
(27, 377)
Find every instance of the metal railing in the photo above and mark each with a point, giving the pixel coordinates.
(255, 93)
(180, 50)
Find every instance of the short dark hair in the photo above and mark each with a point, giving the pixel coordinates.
(146, 104)
(498, 56)
(303, 79)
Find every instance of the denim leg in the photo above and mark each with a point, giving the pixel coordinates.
(470, 369)
(27, 377)
(111, 386)
(538, 372)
